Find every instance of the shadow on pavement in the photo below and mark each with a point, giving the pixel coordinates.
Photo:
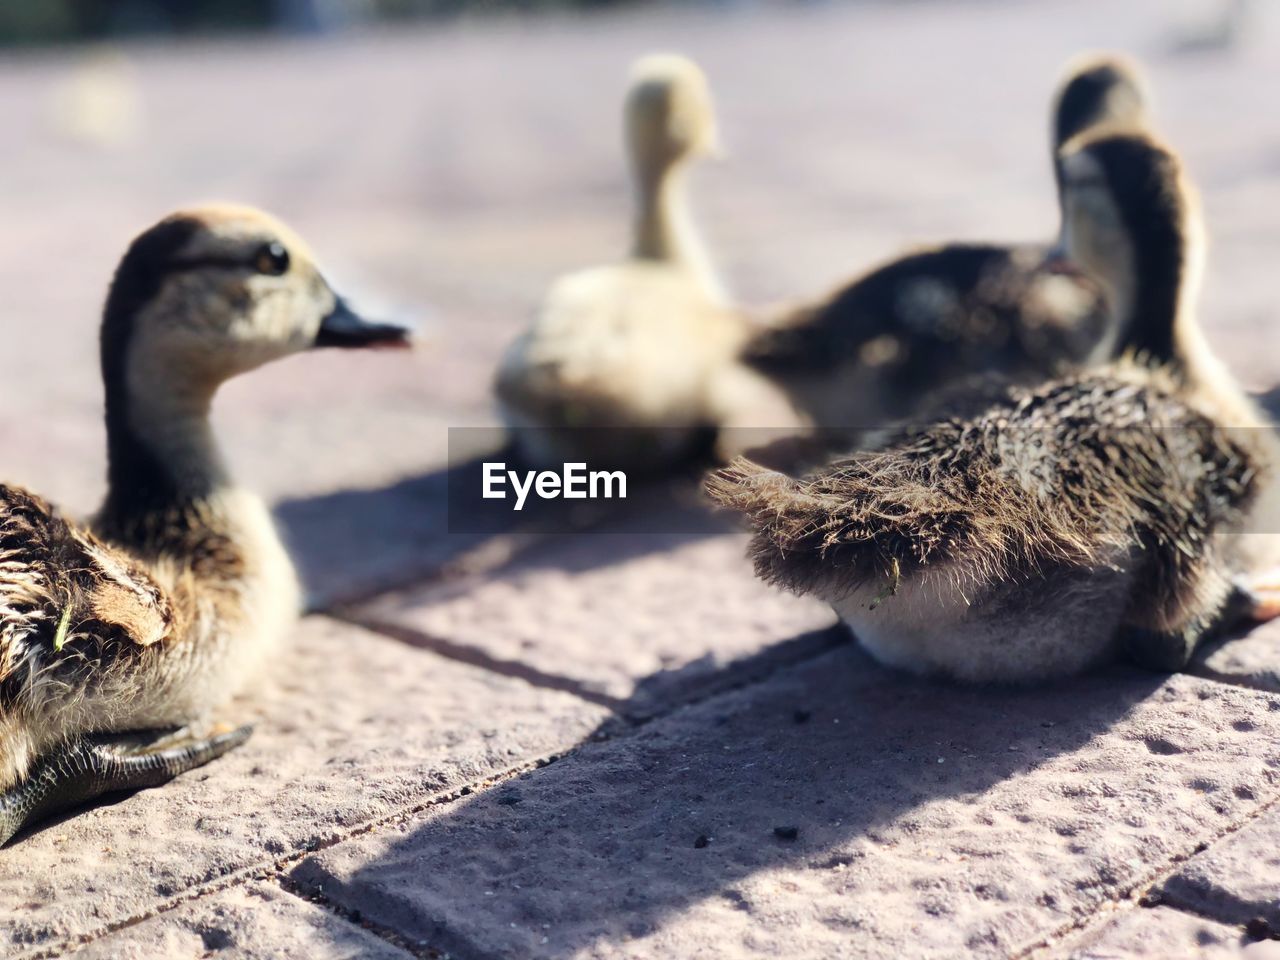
(351, 545)
(835, 763)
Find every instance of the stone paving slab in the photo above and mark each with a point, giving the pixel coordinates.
(258, 921)
(1251, 660)
(358, 727)
(1162, 934)
(834, 810)
(1237, 879)
(644, 620)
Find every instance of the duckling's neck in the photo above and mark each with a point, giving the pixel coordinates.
(1153, 294)
(664, 227)
(1160, 307)
(1152, 313)
(161, 453)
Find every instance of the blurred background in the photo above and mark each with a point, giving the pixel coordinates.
(44, 21)
(448, 159)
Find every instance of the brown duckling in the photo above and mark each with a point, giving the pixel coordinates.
(874, 351)
(1128, 507)
(621, 361)
(116, 635)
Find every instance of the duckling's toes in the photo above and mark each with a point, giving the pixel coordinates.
(1160, 651)
(90, 767)
(1264, 592)
(164, 755)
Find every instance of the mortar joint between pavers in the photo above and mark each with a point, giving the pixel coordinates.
(1130, 898)
(418, 949)
(267, 870)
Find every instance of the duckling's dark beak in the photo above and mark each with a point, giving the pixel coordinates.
(343, 327)
(1056, 260)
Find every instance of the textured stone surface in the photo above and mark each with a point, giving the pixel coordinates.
(359, 727)
(1252, 659)
(1160, 933)
(254, 922)
(854, 129)
(349, 544)
(927, 821)
(641, 619)
(1237, 879)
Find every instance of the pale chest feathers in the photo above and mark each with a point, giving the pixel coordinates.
(248, 611)
(239, 596)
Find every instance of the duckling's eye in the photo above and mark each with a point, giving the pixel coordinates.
(272, 259)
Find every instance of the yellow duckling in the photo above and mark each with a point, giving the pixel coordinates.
(622, 362)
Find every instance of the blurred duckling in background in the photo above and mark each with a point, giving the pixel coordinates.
(1127, 507)
(115, 634)
(622, 363)
(879, 348)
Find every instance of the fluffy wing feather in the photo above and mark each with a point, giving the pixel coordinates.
(67, 600)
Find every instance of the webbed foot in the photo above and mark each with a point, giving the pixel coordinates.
(86, 768)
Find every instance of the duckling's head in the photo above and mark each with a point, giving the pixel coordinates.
(669, 114)
(1098, 90)
(211, 292)
(1131, 220)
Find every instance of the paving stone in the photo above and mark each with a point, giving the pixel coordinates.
(356, 728)
(1160, 933)
(835, 810)
(471, 205)
(1235, 880)
(245, 923)
(639, 619)
(1252, 659)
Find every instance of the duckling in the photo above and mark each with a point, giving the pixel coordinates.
(174, 595)
(633, 345)
(1116, 508)
(873, 351)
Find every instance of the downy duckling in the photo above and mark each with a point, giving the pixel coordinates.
(114, 634)
(618, 362)
(877, 349)
(1122, 507)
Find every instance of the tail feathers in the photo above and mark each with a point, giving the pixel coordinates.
(844, 528)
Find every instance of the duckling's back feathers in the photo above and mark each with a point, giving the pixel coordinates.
(1083, 473)
(979, 305)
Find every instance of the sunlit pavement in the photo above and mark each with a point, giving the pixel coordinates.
(619, 744)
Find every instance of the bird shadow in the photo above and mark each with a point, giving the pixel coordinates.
(831, 762)
(353, 544)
